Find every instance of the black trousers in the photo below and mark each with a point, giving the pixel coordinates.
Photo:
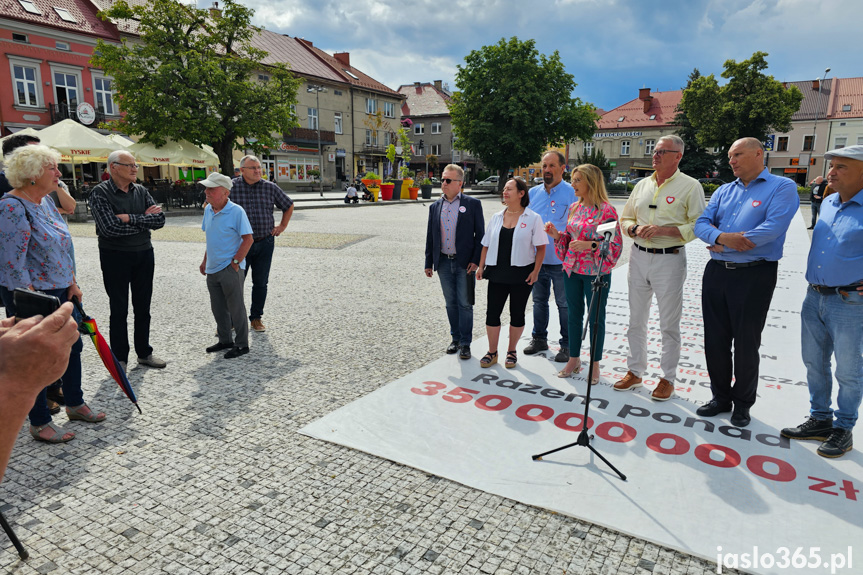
(734, 305)
(497, 294)
(122, 271)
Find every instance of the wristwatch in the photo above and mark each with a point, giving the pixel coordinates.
(235, 261)
(633, 230)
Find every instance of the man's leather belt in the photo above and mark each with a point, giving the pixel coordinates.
(830, 290)
(447, 256)
(261, 239)
(671, 250)
(736, 265)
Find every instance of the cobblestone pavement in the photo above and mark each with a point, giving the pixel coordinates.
(213, 477)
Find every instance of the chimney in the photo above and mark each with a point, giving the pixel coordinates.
(644, 94)
(816, 84)
(215, 12)
(437, 85)
(306, 42)
(344, 58)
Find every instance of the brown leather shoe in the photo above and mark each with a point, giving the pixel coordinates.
(664, 390)
(629, 381)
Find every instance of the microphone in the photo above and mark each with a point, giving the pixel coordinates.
(607, 229)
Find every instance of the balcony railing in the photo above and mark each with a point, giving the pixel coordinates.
(307, 135)
(63, 111)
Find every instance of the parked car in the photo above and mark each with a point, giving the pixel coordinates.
(716, 181)
(435, 182)
(490, 183)
(538, 180)
(635, 180)
(621, 180)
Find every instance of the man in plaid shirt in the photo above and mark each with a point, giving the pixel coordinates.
(258, 197)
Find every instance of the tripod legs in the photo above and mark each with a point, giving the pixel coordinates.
(22, 553)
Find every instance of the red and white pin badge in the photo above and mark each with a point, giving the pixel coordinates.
(462, 209)
(755, 203)
(552, 203)
(670, 199)
(524, 225)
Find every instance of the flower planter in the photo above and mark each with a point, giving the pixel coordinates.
(427, 190)
(371, 183)
(374, 191)
(413, 192)
(387, 192)
(407, 184)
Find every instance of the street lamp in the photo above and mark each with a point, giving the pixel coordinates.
(815, 124)
(317, 90)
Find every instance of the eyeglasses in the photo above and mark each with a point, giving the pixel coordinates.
(663, 152)
(133, 166)
(448, 180)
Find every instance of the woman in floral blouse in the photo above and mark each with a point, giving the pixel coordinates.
(578, 247)
(35, 254)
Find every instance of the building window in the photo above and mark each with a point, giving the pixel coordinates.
(293, 111)
(588, 148)
(337, 92)
(782, 144)
(25, 85)
(371, 106)
(846, 107)
(387, 139)
(104, 95)
(435, 149)
(389, 110)
(419, 129)
(313, 118)
(808, 141)
(860, 140)
(20, 38)
(435, 128)
(371, 139)
(840, 142)
(649, 145)
(29, 7)
(624, 147)
(263, 78)
(62, 46)
(65, 15)
(337, 122)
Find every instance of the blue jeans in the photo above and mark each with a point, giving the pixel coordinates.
(579, 293)
(453, 281)
(831, 325)
(550, 276)
(71, 380)
(258, 260)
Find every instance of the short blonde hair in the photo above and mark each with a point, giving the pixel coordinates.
(596, 193)
(454, 168)
(28, 163)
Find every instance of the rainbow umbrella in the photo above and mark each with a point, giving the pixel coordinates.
(88, 327)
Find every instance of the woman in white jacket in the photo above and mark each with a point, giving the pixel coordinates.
(512, 253)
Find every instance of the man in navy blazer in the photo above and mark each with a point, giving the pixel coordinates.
(453, 246)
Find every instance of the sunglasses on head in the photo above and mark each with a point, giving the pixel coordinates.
(448, 180)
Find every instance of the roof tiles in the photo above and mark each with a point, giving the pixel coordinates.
(662, 107)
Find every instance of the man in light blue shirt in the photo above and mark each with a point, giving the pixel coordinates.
(551, 200)
(229, 238)
(744, 225)
(832, 314)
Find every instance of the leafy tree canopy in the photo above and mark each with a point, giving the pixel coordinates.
(697, 161)
(596, 157)
(750, 104)
(195, 77)
(512, 102)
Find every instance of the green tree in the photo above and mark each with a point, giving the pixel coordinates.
(195, 77)
(595, 157)
(512, 102)
(697, 160)
(751, 103)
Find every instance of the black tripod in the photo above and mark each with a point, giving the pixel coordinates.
(22, 553)
(596, 293)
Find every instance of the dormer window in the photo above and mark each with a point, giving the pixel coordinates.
(620, 119)
(846, 107)
(652, 116)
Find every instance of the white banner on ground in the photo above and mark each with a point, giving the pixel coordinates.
(745, 498)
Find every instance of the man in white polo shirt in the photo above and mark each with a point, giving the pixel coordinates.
(229, 237)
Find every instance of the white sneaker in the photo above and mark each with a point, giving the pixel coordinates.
(152, 361)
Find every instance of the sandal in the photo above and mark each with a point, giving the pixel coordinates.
(59, 436)
(564, 374)
(594, 379)
(84, 413)
(488, 359)
(511, 359)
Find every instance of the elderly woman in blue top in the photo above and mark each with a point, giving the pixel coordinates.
(512, 254)
(35, 254)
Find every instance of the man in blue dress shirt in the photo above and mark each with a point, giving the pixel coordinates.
(551, 200)
(744, 226)
(832, 315)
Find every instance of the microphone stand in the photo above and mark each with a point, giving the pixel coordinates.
(597, 285)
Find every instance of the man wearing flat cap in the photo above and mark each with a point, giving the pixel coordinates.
(229, 237)
(832, 313)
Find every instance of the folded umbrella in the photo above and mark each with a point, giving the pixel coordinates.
(88, 327)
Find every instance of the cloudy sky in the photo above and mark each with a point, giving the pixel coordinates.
(611, 47)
